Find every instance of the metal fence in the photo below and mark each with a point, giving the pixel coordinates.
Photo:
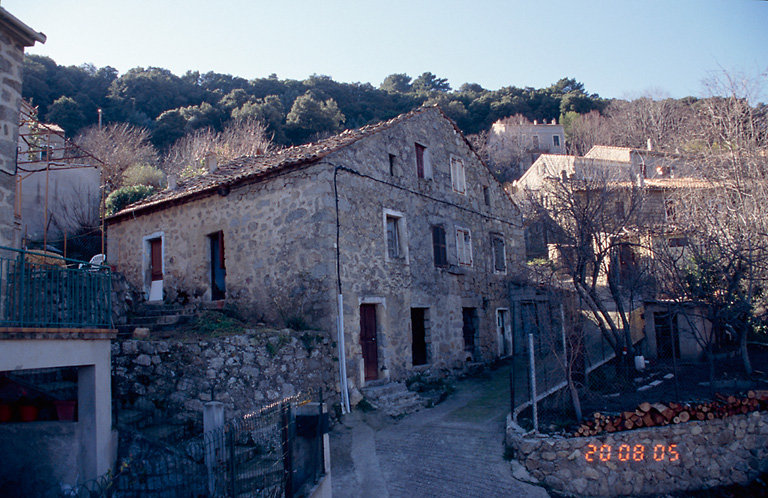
(275, 451)
(45, 290)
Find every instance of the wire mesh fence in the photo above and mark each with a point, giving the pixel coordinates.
(561, 368)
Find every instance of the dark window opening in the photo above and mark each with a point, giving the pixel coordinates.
(218, 269)
(487, 196)
(438, 246)
(556, 140)
(392, 164)
(678, 242)
(420, 160)
(499, 260)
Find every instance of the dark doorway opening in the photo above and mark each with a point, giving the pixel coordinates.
(469, 328)
(218, 270)
(419, 336)
(368, 341)
(667, 335)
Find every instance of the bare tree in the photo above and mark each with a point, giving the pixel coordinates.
(727, 264)
(246, 137)
(589, 214)
(118, 146)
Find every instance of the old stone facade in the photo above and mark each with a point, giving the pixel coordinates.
(14, 36)
(649, 461)
(402, 219)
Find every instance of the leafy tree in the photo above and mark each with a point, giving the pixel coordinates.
(428, 82)
(66, 112)
(269, 111)
(396, 83)
(310, 116)
(144, 174)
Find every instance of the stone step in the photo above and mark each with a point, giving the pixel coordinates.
(393, 398)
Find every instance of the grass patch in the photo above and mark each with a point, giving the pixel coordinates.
(215, 323)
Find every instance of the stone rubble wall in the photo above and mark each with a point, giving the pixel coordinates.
(706, 454)
(172, 379)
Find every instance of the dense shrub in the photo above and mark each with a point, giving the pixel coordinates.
(124, 196)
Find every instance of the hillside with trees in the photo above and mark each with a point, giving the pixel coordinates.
(171, 106)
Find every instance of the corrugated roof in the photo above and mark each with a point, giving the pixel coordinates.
(251, 168)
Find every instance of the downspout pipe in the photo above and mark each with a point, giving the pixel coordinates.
(340, 303)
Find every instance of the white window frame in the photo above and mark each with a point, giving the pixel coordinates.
(458, 176)
(401, 234)
(494, 238)
(463, 248)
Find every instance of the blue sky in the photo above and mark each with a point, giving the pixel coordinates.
(617, 48)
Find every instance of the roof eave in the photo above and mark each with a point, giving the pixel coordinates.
(24, 33)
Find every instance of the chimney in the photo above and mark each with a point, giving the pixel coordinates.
(640, 181)
(211, 162)
(649, 144)
(171, 182)
(554, 121)
(535, 121)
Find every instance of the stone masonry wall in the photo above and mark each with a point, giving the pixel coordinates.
(11, 59)
(174, 378)
(280, 246)
(676, 457)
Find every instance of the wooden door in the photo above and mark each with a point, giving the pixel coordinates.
(368, 341)
(156, 259)
(419, 336)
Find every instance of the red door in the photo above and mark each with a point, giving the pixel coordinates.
(368, 341)
(156, 253)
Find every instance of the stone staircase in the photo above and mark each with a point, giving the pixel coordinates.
(156, 318)
(392, 398)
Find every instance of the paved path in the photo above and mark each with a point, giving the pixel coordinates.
(453, 450)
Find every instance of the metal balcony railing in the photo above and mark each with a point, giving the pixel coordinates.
(43, 290)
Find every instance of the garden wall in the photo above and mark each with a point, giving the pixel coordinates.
(174, 378)
(687, 456)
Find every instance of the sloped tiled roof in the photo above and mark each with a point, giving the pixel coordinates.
(252, 168)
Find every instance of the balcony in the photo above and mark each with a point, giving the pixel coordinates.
(40, 290)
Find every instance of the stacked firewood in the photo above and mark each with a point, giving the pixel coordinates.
(658, 414)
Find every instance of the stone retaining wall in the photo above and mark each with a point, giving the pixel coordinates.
(174, 378)
(686, 456)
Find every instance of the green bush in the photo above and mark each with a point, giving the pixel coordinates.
(124, 196)
(144, 174)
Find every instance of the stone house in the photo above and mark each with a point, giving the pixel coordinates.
(515, 143)
(399, 225)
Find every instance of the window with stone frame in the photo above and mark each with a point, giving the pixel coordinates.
(556, 140)
(499, 253)
(464, 246)
(458, 178)
(438, 246)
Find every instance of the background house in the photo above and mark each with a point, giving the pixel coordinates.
(400, 223)
(515, 143)
(58, 182)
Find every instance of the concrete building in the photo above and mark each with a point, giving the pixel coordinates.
(399, 225)
(515, 143)
(58, 182)
(52, 317)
